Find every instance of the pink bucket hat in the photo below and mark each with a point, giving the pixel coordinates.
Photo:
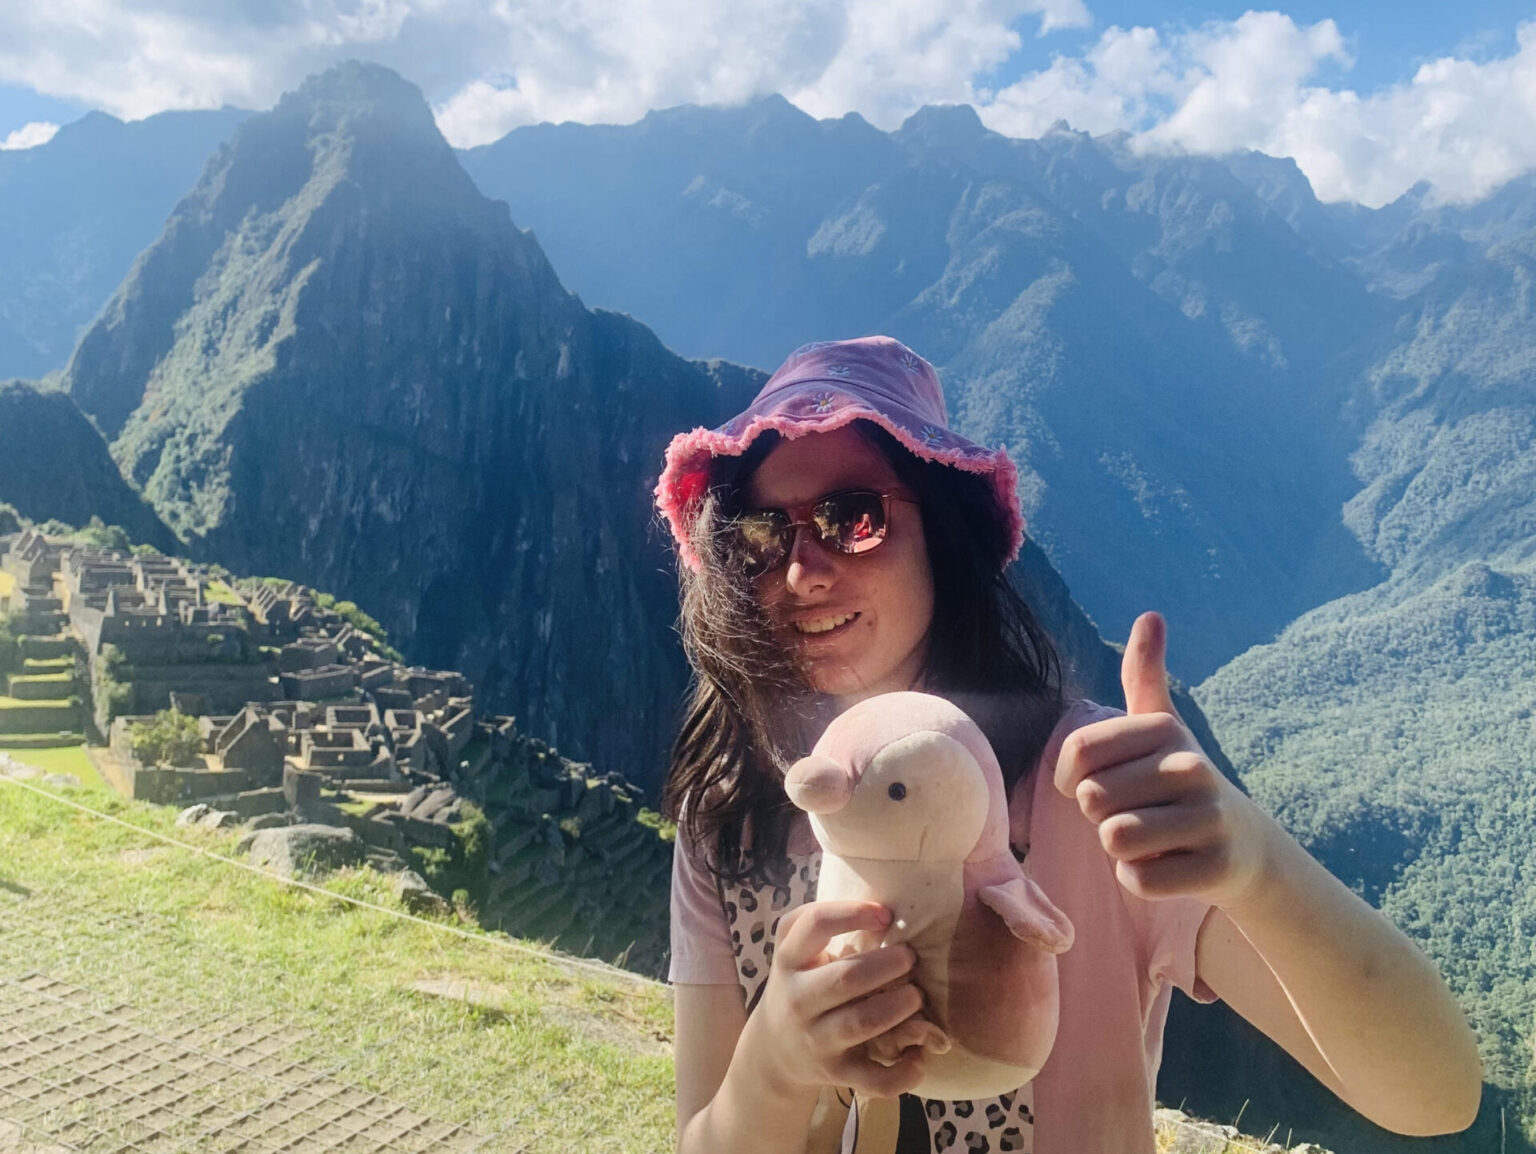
(824, 386)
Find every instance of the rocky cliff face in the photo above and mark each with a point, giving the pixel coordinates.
(1162, 342)
(342, 364)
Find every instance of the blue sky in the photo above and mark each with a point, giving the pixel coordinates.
(1369, 98)
(1388, 40)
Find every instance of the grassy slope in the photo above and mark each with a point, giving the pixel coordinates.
(566, 1054)
(560, 1060)
(68, 759)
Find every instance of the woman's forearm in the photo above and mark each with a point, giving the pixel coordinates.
(1380, 1015)
(751, 1111)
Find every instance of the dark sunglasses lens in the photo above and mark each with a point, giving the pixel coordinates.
(851, 522)
(761, 541)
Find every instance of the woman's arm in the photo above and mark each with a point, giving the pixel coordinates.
(752, 1083)
(1346, 993)
(1288, 946)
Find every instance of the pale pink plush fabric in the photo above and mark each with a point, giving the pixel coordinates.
(822, 387)
(1095, 1093)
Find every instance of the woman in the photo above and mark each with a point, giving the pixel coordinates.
(838, 540)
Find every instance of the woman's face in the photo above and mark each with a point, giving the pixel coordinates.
(879, 604)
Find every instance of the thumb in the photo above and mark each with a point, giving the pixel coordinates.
(1143, 671)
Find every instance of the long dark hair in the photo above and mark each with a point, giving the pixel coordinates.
(750, 714)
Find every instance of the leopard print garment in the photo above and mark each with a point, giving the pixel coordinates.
(983, 1126)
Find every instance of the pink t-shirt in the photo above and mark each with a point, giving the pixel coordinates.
(1095, 1093)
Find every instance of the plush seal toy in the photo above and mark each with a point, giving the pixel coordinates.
(906, 798)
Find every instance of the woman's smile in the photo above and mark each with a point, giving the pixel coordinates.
(823, 625)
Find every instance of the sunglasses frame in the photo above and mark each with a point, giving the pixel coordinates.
(802, 516)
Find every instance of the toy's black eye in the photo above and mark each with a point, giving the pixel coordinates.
(897, 791)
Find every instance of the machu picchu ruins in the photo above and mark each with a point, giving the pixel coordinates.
(292, 712)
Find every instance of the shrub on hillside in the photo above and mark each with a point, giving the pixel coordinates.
(171, 738)
(359, 620)
(463, 866)
(94, 532)
(10, 647)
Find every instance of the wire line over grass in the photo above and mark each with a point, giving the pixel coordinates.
(500, 940)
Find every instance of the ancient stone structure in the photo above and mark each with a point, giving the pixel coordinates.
(301, 719)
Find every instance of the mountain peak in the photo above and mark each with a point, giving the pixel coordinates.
(89, 129)
(357, 90)
(954, 123)
(352, 150)
(771, 112)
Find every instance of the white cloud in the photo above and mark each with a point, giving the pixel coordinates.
(29, 136)
(1465, 123)
(1464, 126)
(608, 61)
(1113, 86)
(597, 60)
(497, 64)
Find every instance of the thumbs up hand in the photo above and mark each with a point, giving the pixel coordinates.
(1172, 824)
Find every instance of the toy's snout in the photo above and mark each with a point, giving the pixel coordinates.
(817, 784)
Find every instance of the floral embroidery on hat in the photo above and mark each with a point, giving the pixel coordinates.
(931, 436)
(811, 347)
(910, 361)
(824, 401)
(839, 370)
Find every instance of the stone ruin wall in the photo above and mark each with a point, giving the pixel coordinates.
(570, 860)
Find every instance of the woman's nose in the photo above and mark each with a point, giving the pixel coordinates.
(811, 568)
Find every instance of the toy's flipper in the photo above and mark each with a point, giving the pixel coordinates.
(915, 1031)
(1029, 914)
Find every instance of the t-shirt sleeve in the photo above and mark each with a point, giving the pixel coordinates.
(1168, 931)
(701, 937)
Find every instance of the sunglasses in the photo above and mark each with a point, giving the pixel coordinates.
(850, 521)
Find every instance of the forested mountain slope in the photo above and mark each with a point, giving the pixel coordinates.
(1151, 336)
(75, 212)
(342, 363)
(55, 466)
(1393, 730)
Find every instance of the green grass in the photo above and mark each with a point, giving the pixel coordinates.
(69, 759)
(553, 1058)
(219, 592)
(57, 739)
(18, 703)
(38, 666)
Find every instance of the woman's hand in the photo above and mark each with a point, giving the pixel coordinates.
(818, 1011)
(1173, 825)
(1290, 948)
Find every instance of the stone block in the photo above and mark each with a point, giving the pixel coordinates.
(254, 802)
(417, 896)
(439, 799)
(380, 833)
(425, 833)
(301, 787)
(303, 849)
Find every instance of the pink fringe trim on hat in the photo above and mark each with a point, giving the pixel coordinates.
(685, 478)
